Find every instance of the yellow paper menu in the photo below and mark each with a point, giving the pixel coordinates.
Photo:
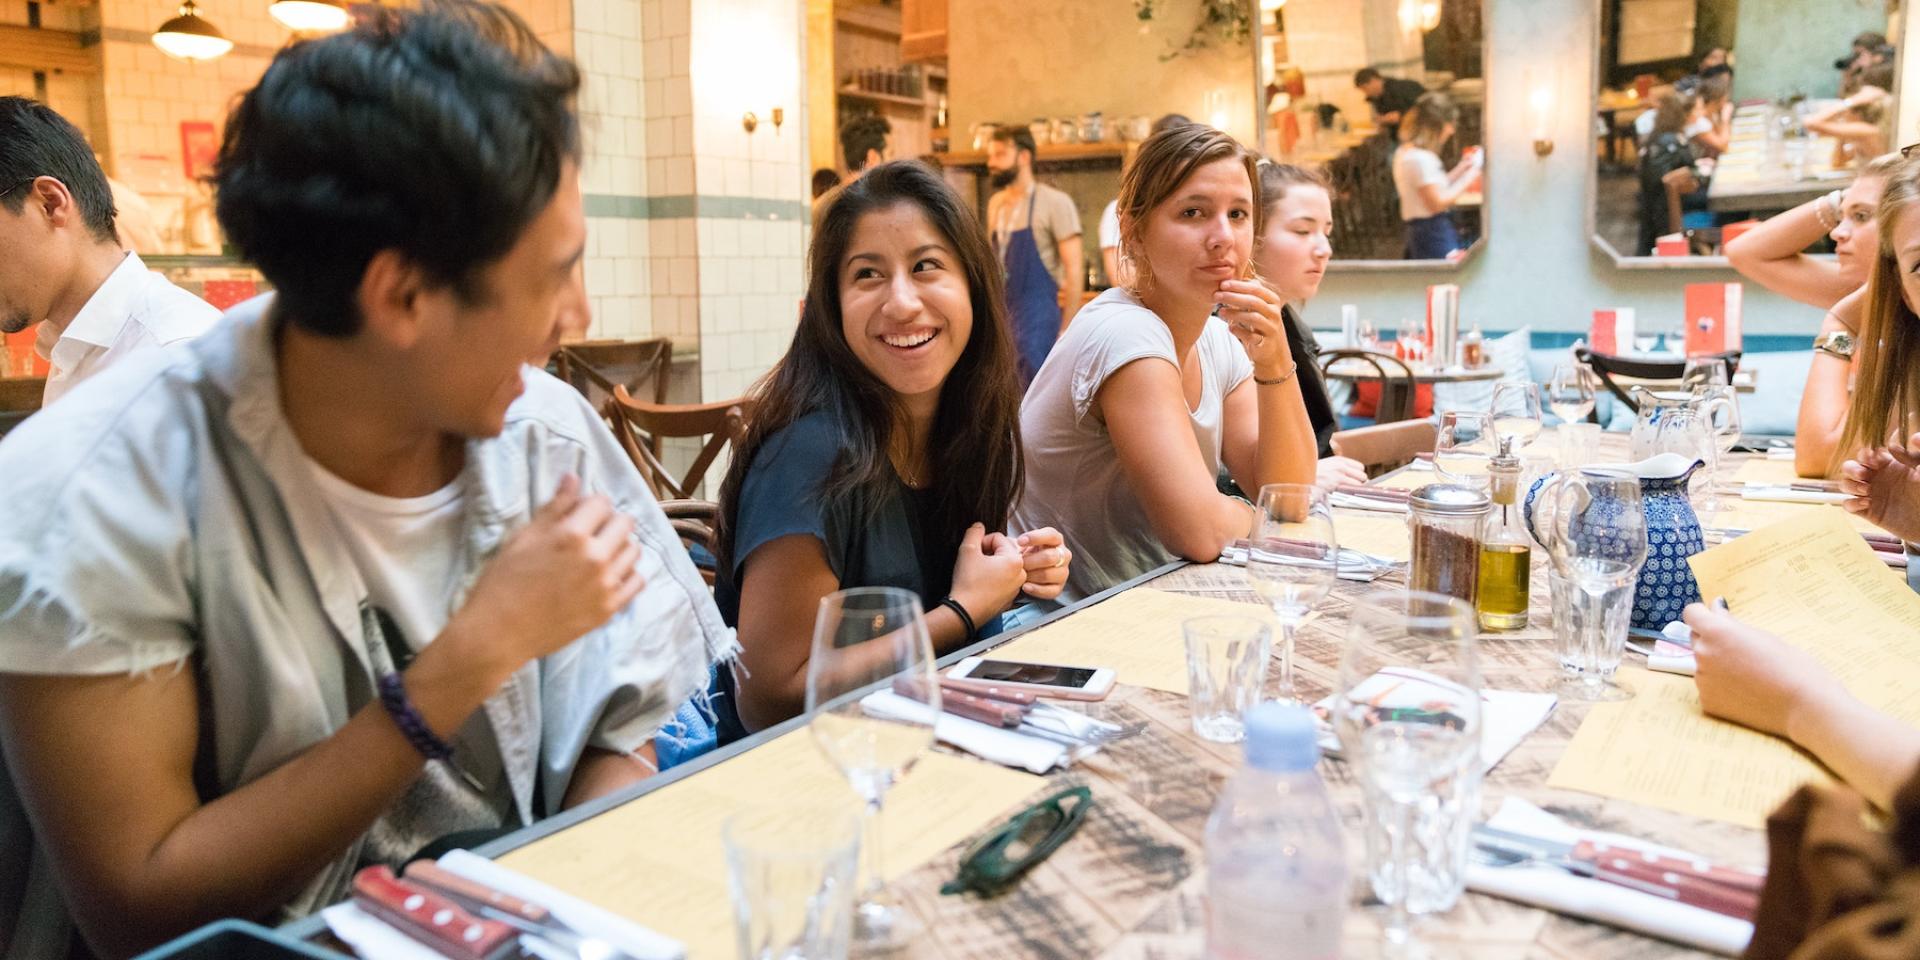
(1811, 580)
(1136, 633)
(660, 861)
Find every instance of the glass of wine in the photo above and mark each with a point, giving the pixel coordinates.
(868, 640)
(1516, 414)
(1407, 711)
(1292, 560)
(1570, 392)
(1464, 448)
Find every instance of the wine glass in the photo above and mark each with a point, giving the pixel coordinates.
(1595, 535)
(1407, 711)
(1463, 449)
(870, 639)
(1292, 560)
(1702, 371)
(1570, 392)
(1516, 414)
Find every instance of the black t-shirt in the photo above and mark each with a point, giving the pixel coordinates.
(1397, 96)
(1313, 389)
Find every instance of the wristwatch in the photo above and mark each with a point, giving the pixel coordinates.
(1838, 344)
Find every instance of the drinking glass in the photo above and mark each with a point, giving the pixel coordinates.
(1516, 414)
(791, 871)
(1226, 660)
(867, 639)
(1293, 558)
(1595, 533)
(1464, 448)
(1570, 392)
(1720, 407)
(1407, 711)
(1704, 371)
(1688, 431)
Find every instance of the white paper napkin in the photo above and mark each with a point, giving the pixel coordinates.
(1554, 889)
(1789, 495)
(371, 938)
(1507, 716)
(1000, 745)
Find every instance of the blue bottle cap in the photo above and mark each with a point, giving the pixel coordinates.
(1282, 738)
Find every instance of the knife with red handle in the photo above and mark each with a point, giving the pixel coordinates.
(990, 690)
(994, 713)
(431, 919)
(1723, 890)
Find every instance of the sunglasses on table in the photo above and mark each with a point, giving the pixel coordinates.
(1000, 857)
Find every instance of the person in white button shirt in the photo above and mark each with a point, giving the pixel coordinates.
(65, 269)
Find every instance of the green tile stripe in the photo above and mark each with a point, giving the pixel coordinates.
(685, 206)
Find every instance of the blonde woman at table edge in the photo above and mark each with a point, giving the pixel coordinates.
(1148, 393)
(1291, 256)
(1771, 255)
(884, 448)
(1885, 400)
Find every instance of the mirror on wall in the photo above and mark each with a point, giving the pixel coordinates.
(1388, 98)
(1712, 115)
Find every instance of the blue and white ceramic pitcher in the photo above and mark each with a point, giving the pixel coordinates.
(1666, 583)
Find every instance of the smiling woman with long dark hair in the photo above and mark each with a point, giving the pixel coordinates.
(884, 448)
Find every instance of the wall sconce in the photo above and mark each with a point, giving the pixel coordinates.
(1540, 117)
(1419, 15)
(751, 121)
(191, 36)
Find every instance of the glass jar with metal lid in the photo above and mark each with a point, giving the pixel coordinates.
(1444, 520)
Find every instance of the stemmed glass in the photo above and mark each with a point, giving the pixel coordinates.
(864, 639)
(1292, 560)
(1516, 414)
(1407, 711)
(1595, 535)
(1463, 449)
(1704, 371)
(1570, 392)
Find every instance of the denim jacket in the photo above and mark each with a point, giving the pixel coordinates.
(163, 515)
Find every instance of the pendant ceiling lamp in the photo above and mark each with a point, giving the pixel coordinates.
(190, 36)
(311, 16)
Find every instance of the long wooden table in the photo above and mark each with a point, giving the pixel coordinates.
(1131, 883)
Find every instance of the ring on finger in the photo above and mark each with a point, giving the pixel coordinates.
(1057, 564)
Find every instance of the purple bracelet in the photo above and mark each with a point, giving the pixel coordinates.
(412, 725)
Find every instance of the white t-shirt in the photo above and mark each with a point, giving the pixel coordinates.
(133, 310)
(1413, 168)
(1074, 481)
(407, 551)
(1110, 225)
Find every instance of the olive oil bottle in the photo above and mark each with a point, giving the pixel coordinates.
(1506, 554)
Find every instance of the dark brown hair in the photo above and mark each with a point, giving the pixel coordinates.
(975, 453)
(1277, 178)
(1164, 162)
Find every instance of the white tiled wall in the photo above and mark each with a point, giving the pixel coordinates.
(606, 42)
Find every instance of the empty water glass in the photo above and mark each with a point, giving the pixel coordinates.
(791, 870)
(1590, 625)
(1226, 662)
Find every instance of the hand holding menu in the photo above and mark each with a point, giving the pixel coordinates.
(1811, 580)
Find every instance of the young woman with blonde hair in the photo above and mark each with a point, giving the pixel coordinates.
(1885, 406)
(1427, 189)
(1149, 392)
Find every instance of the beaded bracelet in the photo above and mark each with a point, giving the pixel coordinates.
(966, 619)
(412, 725)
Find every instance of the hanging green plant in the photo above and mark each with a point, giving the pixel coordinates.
(1220, 21)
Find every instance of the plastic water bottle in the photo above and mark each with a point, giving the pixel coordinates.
(1277, 881)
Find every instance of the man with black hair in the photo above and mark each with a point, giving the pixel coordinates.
(1036, 232)
(65, 269)
(1390, 96)
(348, 576)
(866, 141)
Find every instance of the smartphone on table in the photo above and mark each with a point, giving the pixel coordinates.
(1044, 679)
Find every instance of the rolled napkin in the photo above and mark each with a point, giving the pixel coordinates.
(1787, 494)
(1551, 888)
(1006, 747)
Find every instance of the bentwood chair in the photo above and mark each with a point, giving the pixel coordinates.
(1607, 367)
(595, 367)
(1395, 378)
(695, 521)
(640, 426)
(1384, 447)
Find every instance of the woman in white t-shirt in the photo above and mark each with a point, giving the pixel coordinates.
(1149, 392)
(1427, 188)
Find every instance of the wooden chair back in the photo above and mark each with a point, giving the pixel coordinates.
(595, 367)
(1395, 405)
(1607, 366)
(640, 426)
(695, 521)
(19, 399)
(1386, 446)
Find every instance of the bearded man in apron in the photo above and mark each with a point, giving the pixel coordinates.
(1036, 233)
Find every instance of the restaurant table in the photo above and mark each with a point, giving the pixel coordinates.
(1617, 109)
(1746, 177)
(1131, 883)
(1356, 371)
